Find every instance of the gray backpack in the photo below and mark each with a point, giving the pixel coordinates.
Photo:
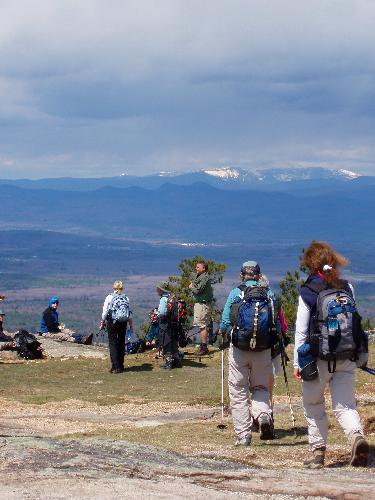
(335, 326)
(119, 309)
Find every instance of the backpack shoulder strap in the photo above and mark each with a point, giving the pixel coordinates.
(315, 286)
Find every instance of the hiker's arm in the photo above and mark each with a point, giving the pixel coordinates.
(162, 309)
(302, 328)
(225, 319)
(199, 283)
(106, 305)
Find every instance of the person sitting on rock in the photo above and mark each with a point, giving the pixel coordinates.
(51, 328)
(3, 335)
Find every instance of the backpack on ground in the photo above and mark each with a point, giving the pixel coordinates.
(335, 330)
(135, 347)
(252, 316)
(119, 309)
(183, 338)
(27, 346)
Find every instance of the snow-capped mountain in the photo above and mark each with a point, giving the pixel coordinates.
(225, 173)
(227, 177)
(279, 174)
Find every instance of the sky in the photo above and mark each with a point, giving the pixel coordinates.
(95, 88)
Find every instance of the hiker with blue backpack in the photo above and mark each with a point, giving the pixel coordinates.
(116, 317)
(329, 345)
(250, 313)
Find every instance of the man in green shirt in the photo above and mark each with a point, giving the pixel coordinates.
(203, 297)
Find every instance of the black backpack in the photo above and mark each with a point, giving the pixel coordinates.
(27, 346)
(176, 311)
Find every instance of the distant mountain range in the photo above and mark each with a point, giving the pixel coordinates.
(223, 178)
(197, 213)
(103, 223)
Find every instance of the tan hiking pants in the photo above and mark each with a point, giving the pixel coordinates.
(249, 372)
(341, 385)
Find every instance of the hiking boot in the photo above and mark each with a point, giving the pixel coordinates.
(265, 427)
(177, 362)
(317, 461)
(360, 450)
(202, 351)
(87, 340)
(168, 365)
(116, 370)
(245, 441)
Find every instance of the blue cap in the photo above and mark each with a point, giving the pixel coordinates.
(53, 300)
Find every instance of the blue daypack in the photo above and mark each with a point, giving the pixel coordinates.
(252, 316)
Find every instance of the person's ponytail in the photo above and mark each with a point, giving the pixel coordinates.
(330, 276)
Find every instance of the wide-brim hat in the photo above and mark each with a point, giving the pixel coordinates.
(163, 287)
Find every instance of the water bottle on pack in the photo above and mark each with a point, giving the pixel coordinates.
(131, 336)
(307, 363)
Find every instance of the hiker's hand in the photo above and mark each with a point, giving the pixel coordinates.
(225, 341)
(102, 324)
(191, 285)
(2, 297)
(297, 373)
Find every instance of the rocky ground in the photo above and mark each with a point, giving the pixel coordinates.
(42, 457)
(81, 449)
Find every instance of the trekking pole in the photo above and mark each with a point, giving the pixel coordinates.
(283, 362)
(222, 426)
(371, 371)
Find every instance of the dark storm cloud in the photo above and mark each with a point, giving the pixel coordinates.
(149, 85)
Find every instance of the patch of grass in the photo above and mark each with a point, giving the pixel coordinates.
(89, 380)
(198, 382)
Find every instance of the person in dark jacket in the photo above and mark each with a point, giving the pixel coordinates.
(51, 328)
(168, 333)
(3, 335)
(49, 322)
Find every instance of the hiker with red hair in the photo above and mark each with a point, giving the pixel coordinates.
(328, 343)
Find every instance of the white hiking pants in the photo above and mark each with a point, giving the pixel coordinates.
(341, 385)
(249, 372)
